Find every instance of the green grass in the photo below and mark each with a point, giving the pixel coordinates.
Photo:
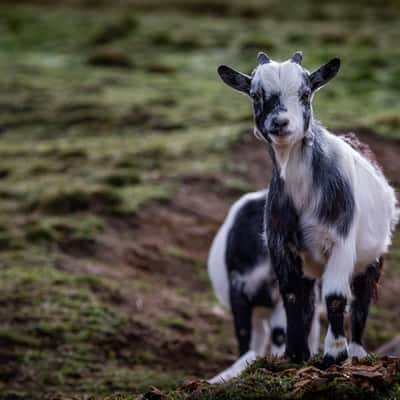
(270, 379)
(82, 142)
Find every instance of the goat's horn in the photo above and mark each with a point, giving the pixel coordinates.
(262, 58)
(297, 57)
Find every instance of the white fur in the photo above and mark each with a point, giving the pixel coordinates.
(260, 335)
(334, 346)
(217, 269)
(236, 369)
(314, 336)
(252, 280)
(356, 350)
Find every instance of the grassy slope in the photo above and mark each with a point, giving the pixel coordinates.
(80, 142)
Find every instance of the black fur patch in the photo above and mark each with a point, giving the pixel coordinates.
(242, 314)
(246, 249)
(324, 73)
(328, 360)
(284, 244)
(245, 244)
(337, 205)
(263, 297)
(278, 336)
(265, 108)
(305, 100)
(363, 288)
(283, 232)
(336, 305)
(310, 301)
(235, 79)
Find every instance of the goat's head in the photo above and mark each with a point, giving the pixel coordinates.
(281, 94)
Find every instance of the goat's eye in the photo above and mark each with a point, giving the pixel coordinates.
(305, 96)
(255, 94)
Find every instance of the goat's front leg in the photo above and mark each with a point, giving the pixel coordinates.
(299, 307)
(296, 291)
(335, 291)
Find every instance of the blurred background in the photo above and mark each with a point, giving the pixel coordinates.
(120, 153)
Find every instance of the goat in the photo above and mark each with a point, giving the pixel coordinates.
(240, 272)
(327, 204)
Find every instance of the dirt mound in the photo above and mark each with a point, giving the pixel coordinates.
(156, 259)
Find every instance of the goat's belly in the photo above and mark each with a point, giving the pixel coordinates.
(319, 247)
(372, 241)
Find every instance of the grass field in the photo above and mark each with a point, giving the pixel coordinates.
(120, 152)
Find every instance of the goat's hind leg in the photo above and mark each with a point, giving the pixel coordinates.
(363, 288)
(260, 335)
(278, 330)
(314, 335)
(242, 317)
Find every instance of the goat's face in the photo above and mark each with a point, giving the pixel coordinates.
(281, 94)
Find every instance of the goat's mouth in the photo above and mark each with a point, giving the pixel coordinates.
(281, 137)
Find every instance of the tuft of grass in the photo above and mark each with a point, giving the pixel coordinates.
(73, 201)
(56, 229)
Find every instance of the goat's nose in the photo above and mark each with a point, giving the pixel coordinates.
(280, 123)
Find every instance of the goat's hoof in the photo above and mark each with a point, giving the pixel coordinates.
(356, 350)
(329, 359)
(298, 357)
(278, 351)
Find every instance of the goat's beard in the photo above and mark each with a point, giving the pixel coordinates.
(260, 136)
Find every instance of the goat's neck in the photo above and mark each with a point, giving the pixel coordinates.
(294, 166)
(295, 154)
(286, 156)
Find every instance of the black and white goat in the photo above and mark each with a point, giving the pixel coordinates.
(240, 271)
(326, 201)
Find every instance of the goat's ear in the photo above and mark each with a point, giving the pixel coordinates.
(324, 73)
(235, 79)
